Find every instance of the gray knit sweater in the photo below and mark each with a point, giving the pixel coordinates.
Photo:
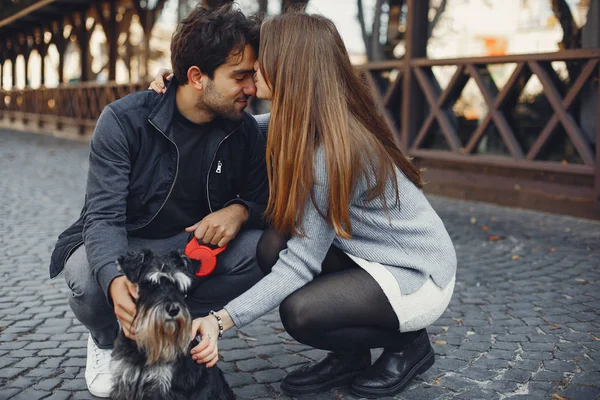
(410, 240)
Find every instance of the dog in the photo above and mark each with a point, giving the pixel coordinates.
(158, 364)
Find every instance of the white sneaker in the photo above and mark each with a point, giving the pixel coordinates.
(97, 370)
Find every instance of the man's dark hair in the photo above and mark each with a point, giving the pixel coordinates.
(207, 37)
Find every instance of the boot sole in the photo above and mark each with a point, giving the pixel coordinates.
(311, 389)
(418, 369)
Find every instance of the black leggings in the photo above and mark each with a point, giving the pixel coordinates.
(343, 309)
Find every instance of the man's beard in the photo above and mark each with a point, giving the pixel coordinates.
(213, 102)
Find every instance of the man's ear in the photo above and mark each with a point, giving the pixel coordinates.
(194, 76)
(132, 265)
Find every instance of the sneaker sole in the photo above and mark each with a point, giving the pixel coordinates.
(311, 389)
(102, 395)
(418, 369)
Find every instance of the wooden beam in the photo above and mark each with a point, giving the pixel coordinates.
(568, 100)
(573, 131)
(508, 136)
(413, 101)
(597, 177)
(27, 10)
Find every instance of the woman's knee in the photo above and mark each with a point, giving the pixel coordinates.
(296, 316)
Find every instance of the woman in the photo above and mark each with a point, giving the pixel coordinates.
(356, 256)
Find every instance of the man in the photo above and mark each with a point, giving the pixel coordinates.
(163, 167)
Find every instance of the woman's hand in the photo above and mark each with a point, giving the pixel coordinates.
(158, 84)
(207, 350)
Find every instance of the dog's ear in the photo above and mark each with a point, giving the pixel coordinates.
(182, 262)
(132, 265)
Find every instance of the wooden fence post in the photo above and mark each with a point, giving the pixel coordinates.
(413, 101)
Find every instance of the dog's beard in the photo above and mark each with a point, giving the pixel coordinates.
(161, 337)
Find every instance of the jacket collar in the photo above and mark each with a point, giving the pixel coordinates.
(162, 114)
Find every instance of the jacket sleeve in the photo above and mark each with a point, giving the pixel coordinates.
(255, 191)
(104, 231)
(298, 264)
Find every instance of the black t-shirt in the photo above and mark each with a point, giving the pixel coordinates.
(187, 203)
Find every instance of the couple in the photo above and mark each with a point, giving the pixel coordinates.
(352, 252)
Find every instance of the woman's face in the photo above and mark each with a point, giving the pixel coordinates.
(263, 91)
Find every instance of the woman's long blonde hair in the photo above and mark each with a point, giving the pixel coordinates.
(318, 100)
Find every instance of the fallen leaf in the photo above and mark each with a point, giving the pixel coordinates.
(596, 337)
(437, 380)
(339, 396)
(557, 397)
(457, 320)
(485, 227)
(495, 238)
(581, 280)
(552, 250)
(515, 257)
(244, 337)
(440, 342)
(473, 220)
(445, 329)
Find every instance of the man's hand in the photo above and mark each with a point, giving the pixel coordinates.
(220, 227)
(122, 292)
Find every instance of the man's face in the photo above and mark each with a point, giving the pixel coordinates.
(227, 94)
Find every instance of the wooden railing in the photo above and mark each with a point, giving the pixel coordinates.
(437, 131)
(78, 105)
(549, 161)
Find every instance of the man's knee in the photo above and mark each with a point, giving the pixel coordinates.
(79, 279)
(240, 255)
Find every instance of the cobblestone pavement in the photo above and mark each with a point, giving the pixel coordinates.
(524, 322)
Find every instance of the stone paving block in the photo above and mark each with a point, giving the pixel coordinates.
(253, 364)
(455, 383)
(7, 393)
(269, 376)
(22, 382)
(502, 386)
(59, 395)
(6, 361)
(517, 375)
(478, 394)
(287, 360)
(251, 391)
(480, 374)
(31, 395)
(574, 391)
(426, 393)
(239, 379)
(30, 362)
(10, 372)
(235, 355)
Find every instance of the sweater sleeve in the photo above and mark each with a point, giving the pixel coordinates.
(297, 265)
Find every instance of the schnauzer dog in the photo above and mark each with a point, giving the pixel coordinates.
(158, 364)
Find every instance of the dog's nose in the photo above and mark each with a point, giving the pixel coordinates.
(172, 309)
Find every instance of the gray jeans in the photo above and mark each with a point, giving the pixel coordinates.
(236, 271)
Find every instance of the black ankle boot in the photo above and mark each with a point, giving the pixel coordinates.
(394, 369)
(336, 369)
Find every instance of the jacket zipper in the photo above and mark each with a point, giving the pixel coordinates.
(211, 164)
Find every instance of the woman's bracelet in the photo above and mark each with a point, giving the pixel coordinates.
(219, 321)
